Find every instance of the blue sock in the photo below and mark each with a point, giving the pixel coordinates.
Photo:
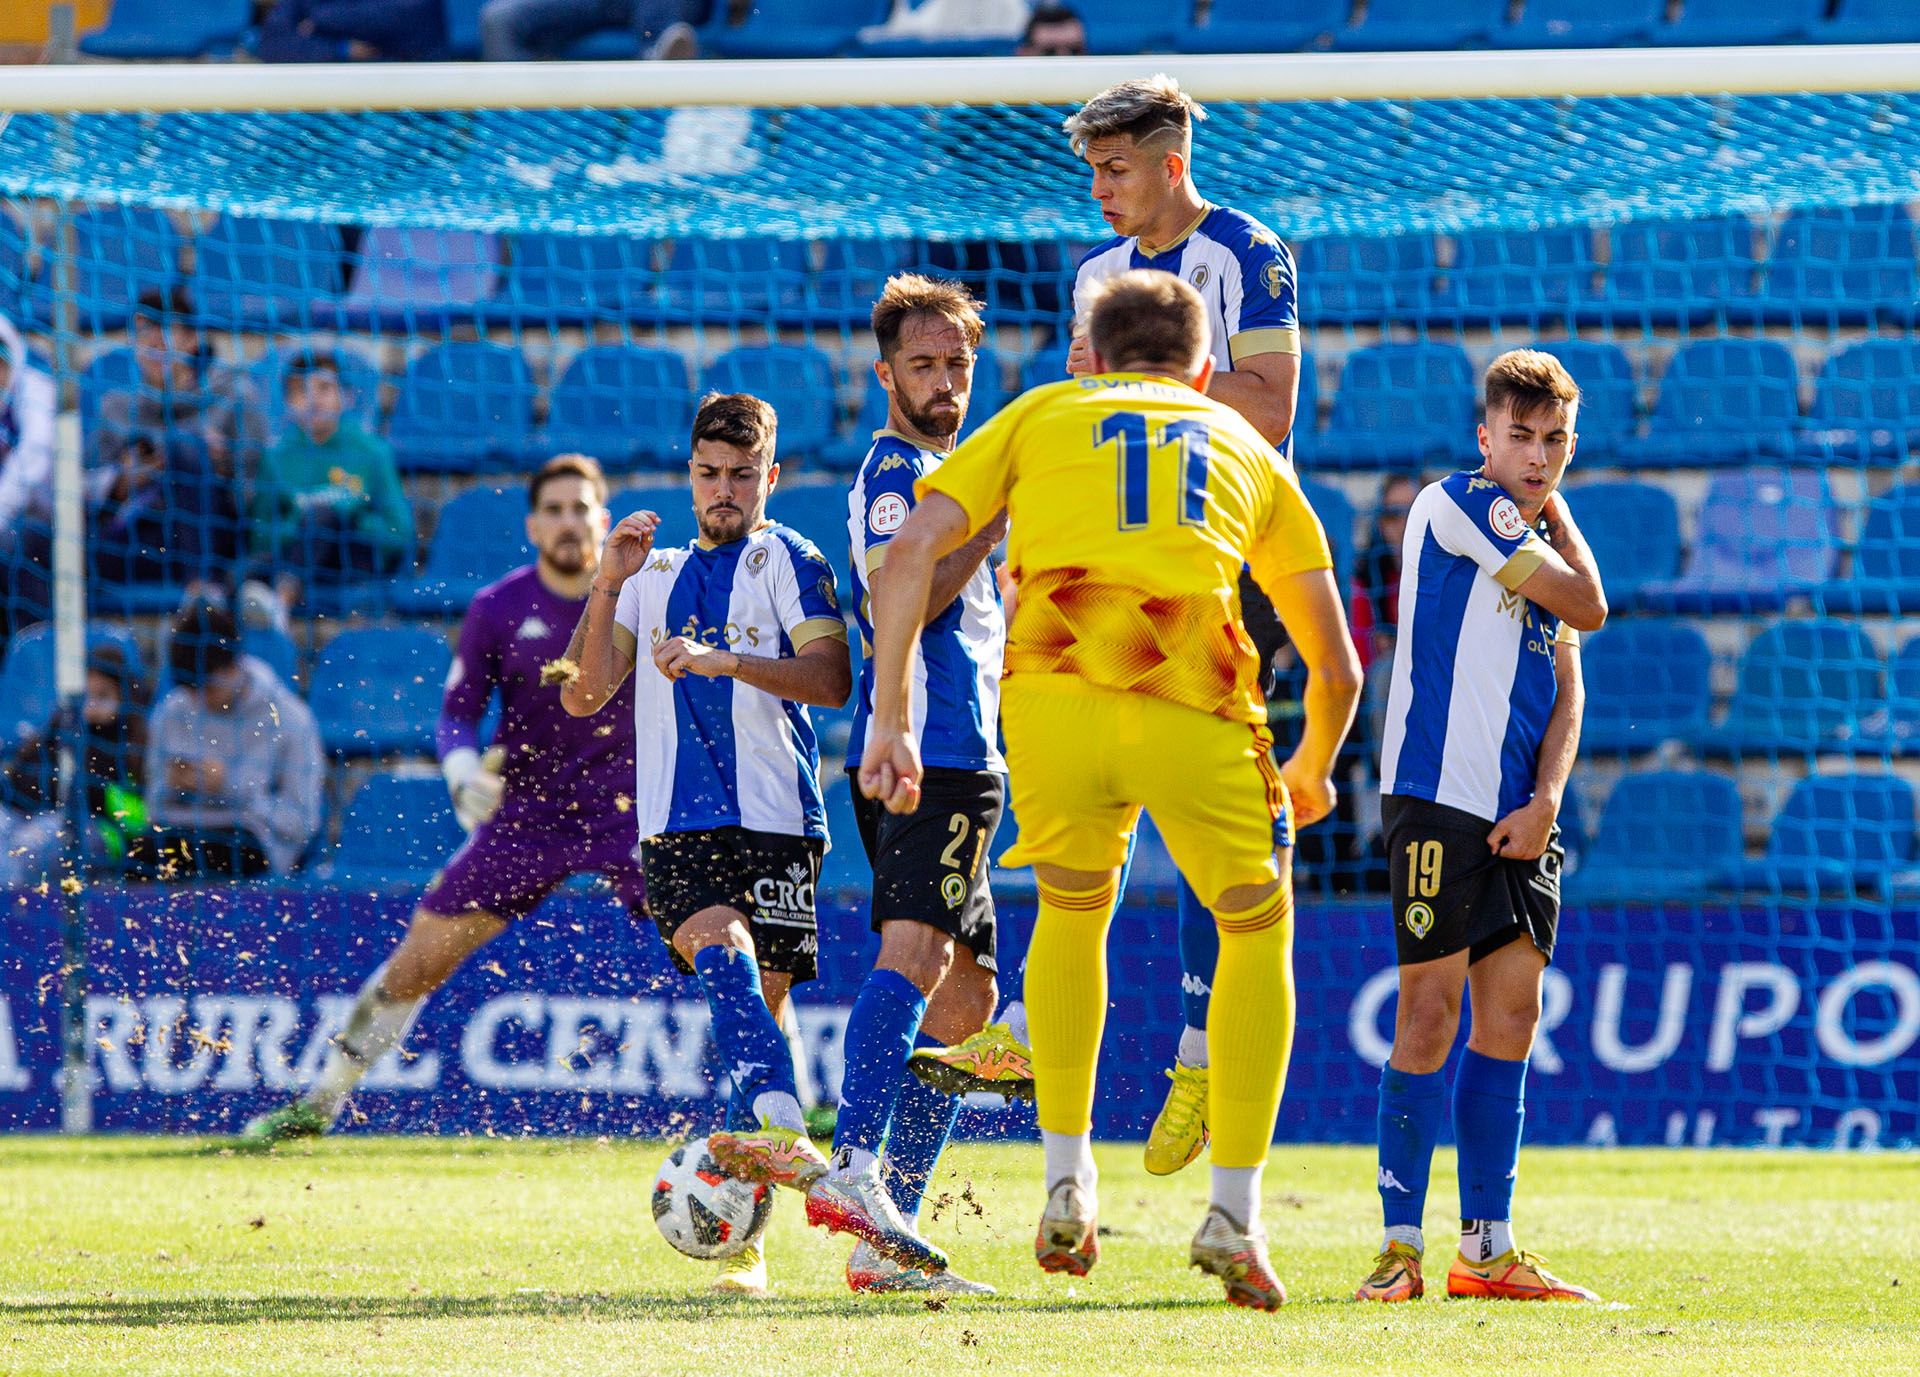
(1199, 954)
(1411, 1110)
(744, 1030)
(1489, 1107)
(740, 1111)
(922, 1122)
(879, 1038)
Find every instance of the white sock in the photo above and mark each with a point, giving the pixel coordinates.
(1482, 1240)
(1069, 1158)
(778, 1108)
(1408, 1234)
(1193, 1046)
(375, 1026)
(851, 1161)
(1237, 1191)
(1015, 1017)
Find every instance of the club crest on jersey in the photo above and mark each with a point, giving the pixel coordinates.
(828, 594)
(756, 560)
(953, 888)
(1198, 277)
(1274, 279)
(887, 514)
(1419, 919)
(1505, 518)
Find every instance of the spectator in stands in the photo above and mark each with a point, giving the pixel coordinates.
(181, 390)
(937, 19)
(115, 735)
(234, 769)
(27, 405)
(529, 30)
(328, 503)
(158, 513)
(354, 31)
(1054, 31)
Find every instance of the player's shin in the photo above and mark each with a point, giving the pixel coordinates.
(1066, 987)
(757, 1055)
(923, 1120)
(1199, 955)
(1251, 1039)
(1489, 1109)
(375, 1025)
(879, 1039)
(1412, 1108)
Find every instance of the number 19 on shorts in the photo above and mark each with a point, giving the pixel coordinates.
(1424, 859)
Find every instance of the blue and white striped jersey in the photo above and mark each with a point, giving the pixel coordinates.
(957, 663)
(717, 752)
(1241, 270)
(1473, 682)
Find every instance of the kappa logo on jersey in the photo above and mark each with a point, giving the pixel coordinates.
(757, 560)
(887, 514)
(1505, 518)
(891, 462)
(1477, 484)
(954, 890)
(533, 628)
(663, 564)
(1275, 280)
(1419, 919)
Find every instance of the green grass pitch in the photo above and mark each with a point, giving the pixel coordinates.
(159, 1256)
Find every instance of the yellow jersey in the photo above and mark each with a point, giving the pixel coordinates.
(1134, 501)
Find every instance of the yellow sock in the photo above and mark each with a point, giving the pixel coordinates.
(1066, 991)
(1250, 1028)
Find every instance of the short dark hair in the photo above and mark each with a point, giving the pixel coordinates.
(1526, 380)
(910, 294)
(738, 419)
(306, 363)
(1047, 13)
(1146, 318)
(202, 640)
(567, 466)
(166, 305)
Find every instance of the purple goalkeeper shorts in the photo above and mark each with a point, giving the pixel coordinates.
(507, 871)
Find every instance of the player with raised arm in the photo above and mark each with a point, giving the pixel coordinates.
(1483, 722)
(1137, 137)
(541, 804)
(1127, 655)
(743, 630)
(934, 976)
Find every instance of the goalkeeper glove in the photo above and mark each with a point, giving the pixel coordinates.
(474, 783)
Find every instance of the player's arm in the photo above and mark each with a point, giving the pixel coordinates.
(1263, 319)
(1523, 834)
(1261, 388)
(473, 781)
(1567, 582)
(603, 647)
(950, 575)
(1311, 609)
(818, 673)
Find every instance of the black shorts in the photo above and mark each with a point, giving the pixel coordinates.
(768, 876)
(930, 865)
(1450, 893)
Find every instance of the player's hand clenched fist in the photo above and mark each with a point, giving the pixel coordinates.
(890, 772)
(1079, 355)
(1312, 796)
(628, 545)
(678, 656)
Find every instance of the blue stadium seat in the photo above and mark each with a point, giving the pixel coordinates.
(989, 392)
(1530, 276)
(1409, 25)
(21, 290)
(1022, 283)
(120, 252)
(1665, 835)
(1741, 23)
(1676, 272)
(151, 29)
(625, 405)
(273, 648)
(844, 872)
(420, 281)
(376, 690)
(481, 535)
(1723, 402)
(1871, 21)
(1844, 834)
(1765, 535)
(850, 278)
(398, 829)
(1885, 578)
(790, 28)
(1121, 28)
(1609, 417)
(1866, 404)
(665, 494)
(359, 375)
(1634, 529)
(1400, 405)
(1336, 515)
(1804, 687)
(1902, 726)
(1835, 266)
(266, 274)
(463, 28)
(1047, 366)
(27, 697)
(735, 281)
(1348, 280)
(1648, 682)
(1583, 24)
(817, 511)
(1264, 26)
(461, 405)
(568, 279)
(1306, 412)
(797, 379)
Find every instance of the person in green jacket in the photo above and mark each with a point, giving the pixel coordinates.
(328, 506)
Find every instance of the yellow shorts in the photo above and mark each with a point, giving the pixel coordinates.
(1082, 761)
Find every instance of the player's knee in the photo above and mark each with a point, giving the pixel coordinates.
(714, 927)
(1505, 1027)
(1424, 1027)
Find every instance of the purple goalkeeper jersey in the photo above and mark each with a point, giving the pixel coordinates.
(563, 773)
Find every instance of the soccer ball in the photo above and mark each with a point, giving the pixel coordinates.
(704, 1212)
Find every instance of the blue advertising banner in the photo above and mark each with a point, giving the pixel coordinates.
(1682, 1024)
